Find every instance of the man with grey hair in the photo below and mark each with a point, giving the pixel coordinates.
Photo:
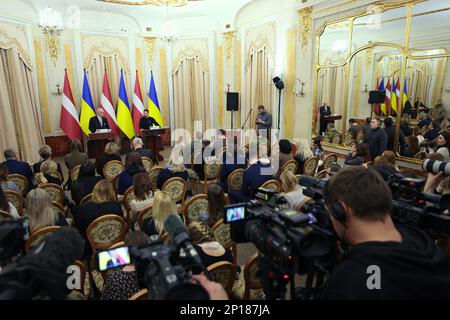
(16, 166)
(45, 152)
(138, 146)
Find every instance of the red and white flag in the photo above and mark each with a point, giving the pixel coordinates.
(68, 121)
(138, 106)
(106, 103)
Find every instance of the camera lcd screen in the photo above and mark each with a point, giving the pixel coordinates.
(114, 258)
(234, 213)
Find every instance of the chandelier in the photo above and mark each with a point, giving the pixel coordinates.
(168, 32)
(50, 21)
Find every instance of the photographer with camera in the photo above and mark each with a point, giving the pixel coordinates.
(384, 261)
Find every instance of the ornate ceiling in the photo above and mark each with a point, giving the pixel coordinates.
(170, 3)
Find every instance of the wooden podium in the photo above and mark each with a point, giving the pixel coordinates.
(97, 142)
(152, 140)
(332, 119)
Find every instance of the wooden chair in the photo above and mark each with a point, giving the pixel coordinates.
(330, 160)
(272, 184)
(348, 138)
(105, 231)
(59, 176)
(73, 174)
(117, 245)
(21, 181)
(5, 215)
(86, 199)
(140, 295)
(112, 168)
(39, 235)
(235, 179)
(360, 136)
(128, 196)
(223, 272)
(148, 163)
(153, 174)
(221, 232)
(56, 192)
(352, 143)
(326, 139)
(177, 187)
(144, 214)
(58, 207)
(194, 206)
(16, 199)
(212, 174)
(337, 139)
(115, 183)
(322, 174)
(290, 165)
(422, 155)
(83, 272)
(251, 278)
(310, 166)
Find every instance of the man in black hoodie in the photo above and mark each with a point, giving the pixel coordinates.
(376, 138)
(384, 261)
(390, 132)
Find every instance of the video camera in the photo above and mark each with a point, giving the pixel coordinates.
(162, 268)
(13, 234)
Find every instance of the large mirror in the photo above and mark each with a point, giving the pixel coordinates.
(334, 44)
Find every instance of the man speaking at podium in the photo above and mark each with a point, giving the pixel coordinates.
(99, 121)
(146, 122)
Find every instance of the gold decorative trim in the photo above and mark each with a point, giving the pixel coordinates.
(164, 90)
(305, 25)
(237, 75)
(289, 109)
(190, 53)
(140, 69)
(53, 47)
(163, 3)
(229, 36)
(369, 56)
(261, 43)
(7, 42)
(69, 67)
(150, 48)
(220, 85)
(357, 87)
(105, 50)
(42, 85)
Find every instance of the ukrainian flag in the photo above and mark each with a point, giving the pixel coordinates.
(153, 104)
(124, 120)
(405, 94)
(87, 106)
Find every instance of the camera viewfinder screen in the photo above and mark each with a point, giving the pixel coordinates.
(113, 258)
(235, 214)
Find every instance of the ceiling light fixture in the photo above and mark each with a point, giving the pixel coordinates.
(168, 32)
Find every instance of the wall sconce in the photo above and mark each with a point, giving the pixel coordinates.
(365, 89)
(58, 91)
(299, 88)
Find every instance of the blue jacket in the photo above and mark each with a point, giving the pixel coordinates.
(253, 179)
(166, 174)
(19, 167)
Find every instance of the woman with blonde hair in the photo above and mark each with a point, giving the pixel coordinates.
(292, 190)
(163, 206)
(302, 153)
(112, 152)
(175, 168)
(104, 201)
(49, 173)
(39, 210)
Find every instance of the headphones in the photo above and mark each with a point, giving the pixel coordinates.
(338, 212)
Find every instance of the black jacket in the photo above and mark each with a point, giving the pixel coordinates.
(90, 211)
(37, 167)
(390, 131)
(94, 124)
(147, 153)
(82, 187)
(413, 269)
(104, 159)
(146, 123)
(376, 139)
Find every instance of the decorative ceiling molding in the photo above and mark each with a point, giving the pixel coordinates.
(162, 3)
(7, 42)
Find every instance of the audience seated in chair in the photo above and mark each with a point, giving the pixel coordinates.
(48, 174)
(412, 147)
(122, 284)
(302, 154)
(292, 190)
(7, 206)
(4, 183)
(112, 152)
(133, 165)
(40, 212)
(360, 154)
(138, 146)
(233, 159)
(143, 195)
(45, 152)
(163, 206)
(85, 183)
(284, 155)
(174, 169)
(76, 156)
(216, 203)
(16, 166)
(199, 160)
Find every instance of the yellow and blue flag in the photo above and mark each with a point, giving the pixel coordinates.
(124, 120)
(405, 94)
(153, 105)
(87, 106)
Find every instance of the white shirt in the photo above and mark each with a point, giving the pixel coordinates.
(101, 121)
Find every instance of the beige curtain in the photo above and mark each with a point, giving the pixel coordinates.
(96, 73)
(20, 121)
(258, 87)
(191, 90)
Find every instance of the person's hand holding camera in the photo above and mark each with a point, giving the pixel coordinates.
(433, 181)
(214, 289)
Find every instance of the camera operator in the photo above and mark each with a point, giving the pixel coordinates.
(407, 263)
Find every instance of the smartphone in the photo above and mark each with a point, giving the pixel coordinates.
(114, 258)
(235, 212)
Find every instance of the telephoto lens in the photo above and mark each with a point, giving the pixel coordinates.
(435, 166)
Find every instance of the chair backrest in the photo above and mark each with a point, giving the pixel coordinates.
(272, 184)
(337, 138)
(16, 199)
(221, 232)
(290, 165)
(56, 192)
(140, 295)
(195, 155)
(153, 174)
(21, 181)
(321, 174)
(105, 231)
(112, 168)
(420, 155)
(83, 272)
(352, 143)
(38, 236)
(251, 278)
(148, 163)
(360, 136)
(330, 160)
(212, 170)
(310, 166)
(128, 196)
(144, 214)
(348, 137)
(194, 206)
(117, 245)
(86, 199)
(235, 179)
(223, 272)
(326, 139)
(74, 173)
(177, 187)
(5, 215)
(58, 207)
(115, 182)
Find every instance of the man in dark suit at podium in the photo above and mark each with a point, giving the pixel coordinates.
(99, 121)
(146, 122)
(324, 110)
